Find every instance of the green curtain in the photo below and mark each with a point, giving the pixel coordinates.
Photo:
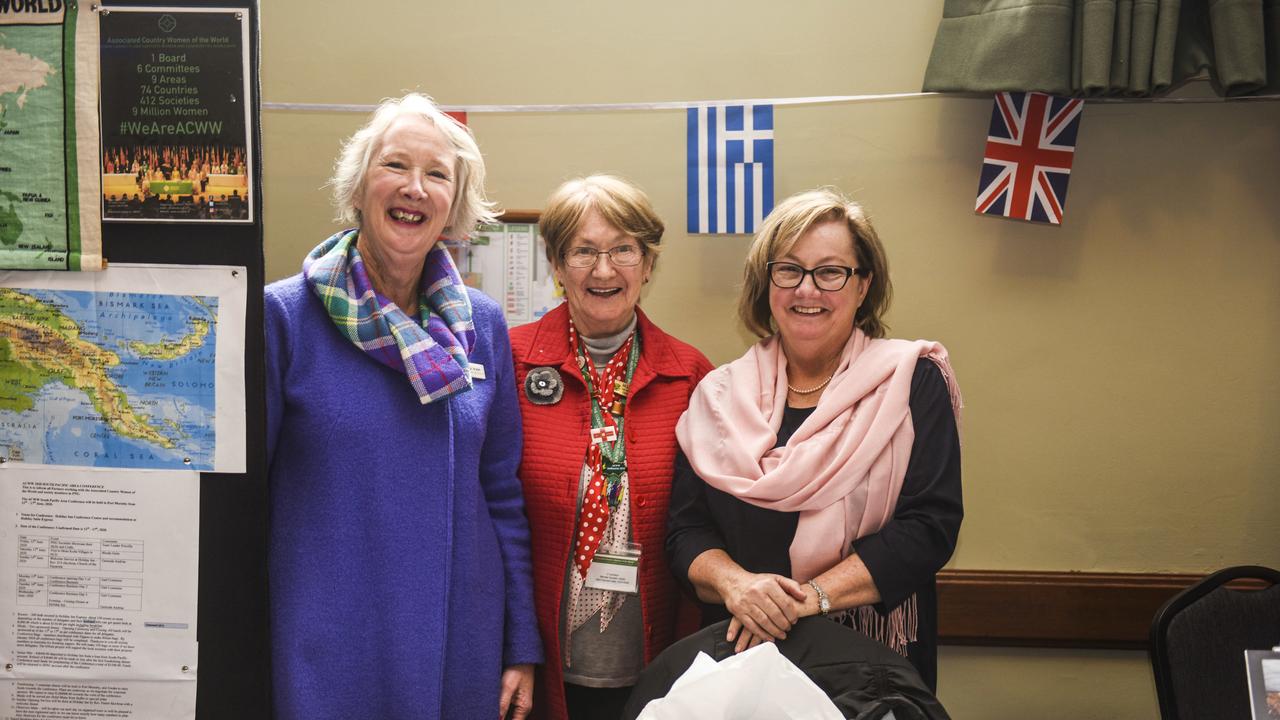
(1105, 47)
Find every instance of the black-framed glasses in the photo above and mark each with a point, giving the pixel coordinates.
(582, 256)
(829, 278)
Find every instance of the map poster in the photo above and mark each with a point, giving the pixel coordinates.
(138, 366)
(50, 215)
(176, 145)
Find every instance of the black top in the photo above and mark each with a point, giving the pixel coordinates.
(902, 557)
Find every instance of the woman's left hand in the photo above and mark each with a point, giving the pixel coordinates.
(517, 692)
(745, 639)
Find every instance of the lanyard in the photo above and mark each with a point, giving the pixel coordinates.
(607, 427)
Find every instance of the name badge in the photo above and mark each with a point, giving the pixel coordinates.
(476, 370)
(616, 569)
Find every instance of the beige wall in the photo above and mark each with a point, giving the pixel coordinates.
(1122, 404)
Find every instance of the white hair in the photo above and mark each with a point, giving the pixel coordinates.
(470, 205)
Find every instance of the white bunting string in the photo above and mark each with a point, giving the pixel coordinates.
(685, 104)
(609, 107)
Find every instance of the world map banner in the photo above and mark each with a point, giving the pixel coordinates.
(50, 211)
(138, 366)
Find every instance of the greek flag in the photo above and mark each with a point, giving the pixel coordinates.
(730, 167)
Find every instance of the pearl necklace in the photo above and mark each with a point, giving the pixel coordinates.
(811, 390)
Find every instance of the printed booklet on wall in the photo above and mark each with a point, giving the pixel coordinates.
(176, 128)
(508, 262)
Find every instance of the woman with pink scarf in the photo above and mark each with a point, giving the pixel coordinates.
(820, 471)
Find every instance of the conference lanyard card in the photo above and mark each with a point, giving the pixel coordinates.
(616, 569)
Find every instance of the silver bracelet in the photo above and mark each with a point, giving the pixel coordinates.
(824, 602)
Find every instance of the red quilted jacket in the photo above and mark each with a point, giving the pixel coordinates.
(555, 445)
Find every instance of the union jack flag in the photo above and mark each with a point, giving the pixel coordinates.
(1027, 162)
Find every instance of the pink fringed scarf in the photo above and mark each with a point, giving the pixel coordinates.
(843, 467)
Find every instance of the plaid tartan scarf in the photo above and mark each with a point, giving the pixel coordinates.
(431, 351)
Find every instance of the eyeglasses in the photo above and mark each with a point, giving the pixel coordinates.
(582, 256)
(829, 278)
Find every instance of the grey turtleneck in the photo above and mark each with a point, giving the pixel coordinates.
(602, 348)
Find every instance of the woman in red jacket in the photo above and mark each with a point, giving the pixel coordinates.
(602, 389)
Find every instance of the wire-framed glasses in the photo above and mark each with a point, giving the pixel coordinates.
(829, 278)
(581, 256)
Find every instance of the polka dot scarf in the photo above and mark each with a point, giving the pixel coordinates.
(585, 601)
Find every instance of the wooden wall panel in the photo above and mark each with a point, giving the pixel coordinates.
(1054, 609)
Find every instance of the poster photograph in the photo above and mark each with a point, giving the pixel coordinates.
(49, 208)
(176, 140)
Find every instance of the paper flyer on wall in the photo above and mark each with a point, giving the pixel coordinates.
(50, 216)
(176, 128)
(508, 262)
(138, 366)
(98, 590)
(82, 700)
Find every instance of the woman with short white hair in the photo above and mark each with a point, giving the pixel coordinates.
(399, 550)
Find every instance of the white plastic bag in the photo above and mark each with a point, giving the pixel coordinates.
(758, 684)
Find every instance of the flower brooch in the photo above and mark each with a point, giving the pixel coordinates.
(543, 386)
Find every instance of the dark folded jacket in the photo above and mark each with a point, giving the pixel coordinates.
(864, 679)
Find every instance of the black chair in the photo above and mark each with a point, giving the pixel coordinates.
(1198, 641)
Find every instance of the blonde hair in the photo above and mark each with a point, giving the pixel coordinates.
(619, 202)
(470, 206)
(778, 234)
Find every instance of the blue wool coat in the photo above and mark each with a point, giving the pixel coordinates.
(399, 550)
